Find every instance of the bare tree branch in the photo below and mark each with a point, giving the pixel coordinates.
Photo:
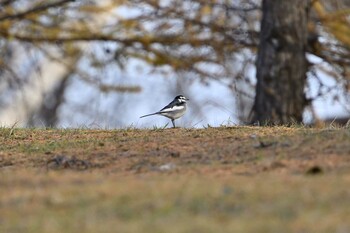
(35, 9)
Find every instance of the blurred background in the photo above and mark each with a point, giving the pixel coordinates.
(102, 64)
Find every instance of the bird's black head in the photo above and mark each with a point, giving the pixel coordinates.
(181, 98)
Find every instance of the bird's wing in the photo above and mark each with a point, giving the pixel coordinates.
(170, 106)
(172, 109)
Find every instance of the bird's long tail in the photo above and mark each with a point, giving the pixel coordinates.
(150, 114)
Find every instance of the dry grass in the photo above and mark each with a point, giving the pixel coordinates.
(228, 179)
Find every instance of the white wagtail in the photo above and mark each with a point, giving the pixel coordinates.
(174, 110)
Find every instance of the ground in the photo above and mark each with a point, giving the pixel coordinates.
(227, 179)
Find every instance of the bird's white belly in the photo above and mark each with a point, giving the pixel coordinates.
(175, 112)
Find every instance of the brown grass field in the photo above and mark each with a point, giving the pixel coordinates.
(227, 179)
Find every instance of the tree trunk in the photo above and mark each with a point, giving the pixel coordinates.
(281, 63)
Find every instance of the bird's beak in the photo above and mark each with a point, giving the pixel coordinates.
(187, 99)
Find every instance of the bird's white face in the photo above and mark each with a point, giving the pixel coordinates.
(182, 99)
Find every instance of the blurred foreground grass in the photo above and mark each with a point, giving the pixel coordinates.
(240, 179)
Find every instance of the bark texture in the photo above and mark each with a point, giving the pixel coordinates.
(281, 63)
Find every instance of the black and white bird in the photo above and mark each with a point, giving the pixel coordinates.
(174, 110)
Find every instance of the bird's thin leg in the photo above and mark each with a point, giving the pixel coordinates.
(173, 123)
